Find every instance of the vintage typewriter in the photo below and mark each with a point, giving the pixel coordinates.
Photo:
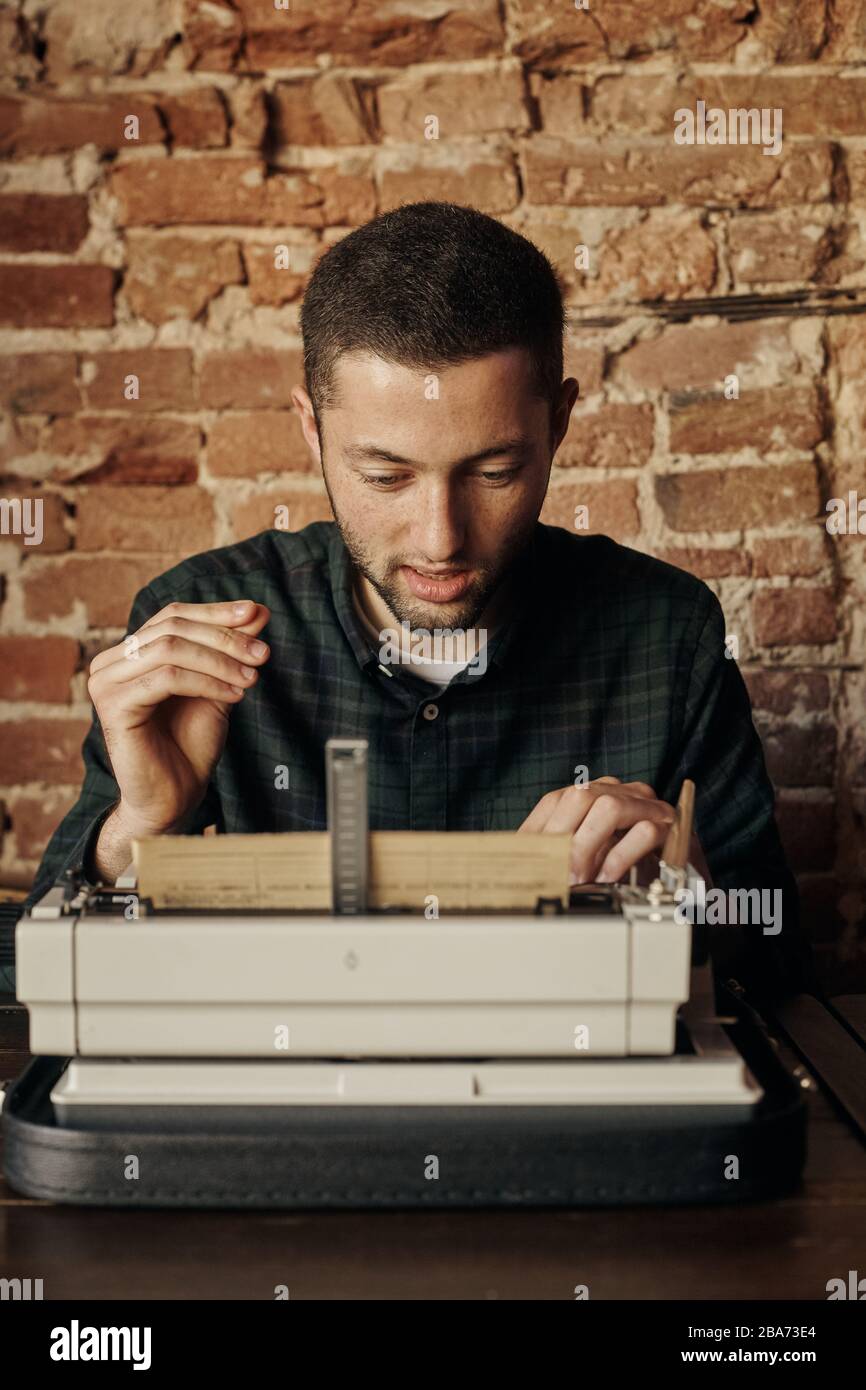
(568, 1052)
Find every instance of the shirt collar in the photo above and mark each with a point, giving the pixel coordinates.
(501, 646)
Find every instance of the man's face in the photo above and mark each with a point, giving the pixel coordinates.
(436, 479)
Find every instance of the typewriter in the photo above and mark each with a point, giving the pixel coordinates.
(568, 1052)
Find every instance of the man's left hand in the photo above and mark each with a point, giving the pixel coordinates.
(613, 825)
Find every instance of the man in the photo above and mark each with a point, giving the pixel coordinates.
(591, 679)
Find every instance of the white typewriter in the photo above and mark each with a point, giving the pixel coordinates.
(172, 1017)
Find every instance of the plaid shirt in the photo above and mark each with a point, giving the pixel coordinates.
(611, 661)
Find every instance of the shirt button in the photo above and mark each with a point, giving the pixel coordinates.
(430, 711)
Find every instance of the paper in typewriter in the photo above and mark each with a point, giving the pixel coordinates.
(464, 870)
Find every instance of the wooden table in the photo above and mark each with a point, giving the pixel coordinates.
(786, 1249)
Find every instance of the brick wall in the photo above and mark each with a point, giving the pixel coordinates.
(150, 247)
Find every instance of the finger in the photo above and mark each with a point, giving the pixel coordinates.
(550, 805)
(153, 687)
(639, 789)
(260, 618)
(542, 811)
(227, 612)
(599, 859)
(638, 842)
(577, 802)
(612, 812)
(233, 642)
(170, 650)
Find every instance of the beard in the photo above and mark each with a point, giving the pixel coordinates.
(464, 612)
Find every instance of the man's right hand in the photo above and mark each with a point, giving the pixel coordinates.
(163, 697)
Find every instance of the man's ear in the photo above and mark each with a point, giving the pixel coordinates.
(304, 407)
(569, 392)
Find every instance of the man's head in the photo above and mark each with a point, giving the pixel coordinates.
(433, 343)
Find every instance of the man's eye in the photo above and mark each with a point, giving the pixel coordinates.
(502, 475)
(382, 479)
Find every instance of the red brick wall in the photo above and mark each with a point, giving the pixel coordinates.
(260, 128)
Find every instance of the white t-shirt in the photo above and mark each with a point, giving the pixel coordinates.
(436, 672)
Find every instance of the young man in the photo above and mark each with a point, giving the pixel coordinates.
(585, 680)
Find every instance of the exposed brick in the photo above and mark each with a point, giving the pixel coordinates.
(614, 436)
(584, 362)
(42, 382)
(347, 199)
(164, 375)
(176, 276)
(249, 116)
(671, 258)
(785, 417)
(792, 555)
(42, 222)
(788, 692)
(260, 441)
(498, 103)
(145, 519)
(726, 500)
(35, 817)
(789, 617)
(105, 584)
(18, 60)
(689, 356)
(196, 119)
(365, 33)
(57, 296)
(267, 283)
(493, 183)
(55, 536)
(37, 668)
(707, 563)
(259, 513)
(98, 38)
(111, 449)
(612, 507)
(561, 102)
(855, 165)
(326, 110)
(556, 234)
(791, 31)
(619, 174)
(213, 32)
(801, 757)
(244, 380)
(214, 189)
(791, 244)
(695, 29)
(846, 339)
(35, 125)
(808, 831)
(42, 750)
(19, 438)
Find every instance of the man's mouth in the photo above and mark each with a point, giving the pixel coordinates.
(444, 587)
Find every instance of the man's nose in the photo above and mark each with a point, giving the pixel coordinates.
(439, 530)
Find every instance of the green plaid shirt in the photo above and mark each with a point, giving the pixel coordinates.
(612, 661)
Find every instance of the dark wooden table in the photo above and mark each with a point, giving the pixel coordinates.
(785, 1249)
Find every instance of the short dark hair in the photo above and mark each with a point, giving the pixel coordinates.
(429, 285)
